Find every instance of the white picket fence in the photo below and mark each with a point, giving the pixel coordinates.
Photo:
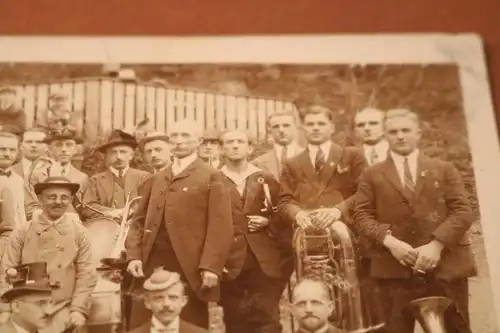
(108, 103)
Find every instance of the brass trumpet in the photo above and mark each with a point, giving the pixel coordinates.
(429, 312)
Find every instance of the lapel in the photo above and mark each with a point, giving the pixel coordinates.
(306, 166)
(8, 327)
(424, 163)
(107, 182)
(273, 165)
(334, 157)
(252, 190)
(19, 169)
(187, 171)
(129, 183)
(391, 173)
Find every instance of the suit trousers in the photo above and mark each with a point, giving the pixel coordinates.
(394, 295)
(251, 301)
(194, 312)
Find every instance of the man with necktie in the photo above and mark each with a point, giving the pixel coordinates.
(164, 294)
(415, 213)
(107, 192)
(30, 298)
(184, 223)
(369, 128)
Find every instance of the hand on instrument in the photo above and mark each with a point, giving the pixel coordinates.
(209, 280)
(76, 319)
(324, 217)
(428, 256)
(303, 220)
(135, 268)
(404, 253)
(115, 214)
(257, 222)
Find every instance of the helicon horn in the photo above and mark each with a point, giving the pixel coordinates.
(429, 313)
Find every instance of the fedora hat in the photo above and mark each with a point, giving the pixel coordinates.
(57, 181)
(118, 138)
(27, 279)
(152, 136)
(66, 133)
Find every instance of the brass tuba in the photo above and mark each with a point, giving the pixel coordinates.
(329, 255)
(115, 259)
(429, 312)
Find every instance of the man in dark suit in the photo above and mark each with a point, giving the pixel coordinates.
(312, 305)
(414, 211)
(322, 178)
(183, 222)
(249, 295)
(165, 296)
(369, 128)
(33, 146)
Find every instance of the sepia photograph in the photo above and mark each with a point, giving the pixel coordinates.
(238, 185)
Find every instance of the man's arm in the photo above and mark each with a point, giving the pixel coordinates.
(288, 205)
(135, 236)
(219, 238)
(357, 165)
(86, 275)
(91, 198)
(365, 211)
(459, 218)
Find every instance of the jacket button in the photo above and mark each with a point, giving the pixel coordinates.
(59, 266)
(161, 192)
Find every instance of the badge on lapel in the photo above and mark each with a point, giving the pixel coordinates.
(341, 170)
(184, 189)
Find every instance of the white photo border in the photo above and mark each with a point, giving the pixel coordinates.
(464, 50)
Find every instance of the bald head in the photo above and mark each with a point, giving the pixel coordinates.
(185, 136)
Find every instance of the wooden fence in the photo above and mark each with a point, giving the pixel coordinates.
(108, 103)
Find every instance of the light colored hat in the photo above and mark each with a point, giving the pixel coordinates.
(161, 280)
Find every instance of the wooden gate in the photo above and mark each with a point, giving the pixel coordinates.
(108, 103)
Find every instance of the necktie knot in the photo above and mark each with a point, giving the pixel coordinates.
(4, 173)
(373, 156)
(319, 161)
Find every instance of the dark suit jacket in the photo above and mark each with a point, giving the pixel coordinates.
(184, 327)
(263, 242)
(335, 186)
(439, 209)
(331, 329)
(195, 207)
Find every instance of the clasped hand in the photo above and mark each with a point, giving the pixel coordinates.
(256, 222)
(422, 259)
(320, 218)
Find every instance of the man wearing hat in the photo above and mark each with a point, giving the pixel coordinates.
(107, 191)
(62, 147)
(156, 150)
(210, 149)
(165, 296)
(12, 117)
(61, 241)
(30, 298)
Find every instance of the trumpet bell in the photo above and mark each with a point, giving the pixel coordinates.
(429, 312)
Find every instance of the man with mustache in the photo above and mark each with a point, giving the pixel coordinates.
(33, 146)
(107, 191)
(210, 149)
(61, 241)
(62, 147)
(164, 294)
(156, 150)
(369, 128)
(249, 294)
(12, 117)
(414, 211)
(30, 299)
(312, 305)
(183, 222)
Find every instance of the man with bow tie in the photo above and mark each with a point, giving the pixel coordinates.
(13, 191)
(107, 192)
(249, 294)
(369, 127)
(62, 146)
(164, 294)
(415, 213)
(61, 241)
(184, 223)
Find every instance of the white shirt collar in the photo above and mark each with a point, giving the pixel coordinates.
(180, 164)
(292, 149)
(116, 172)
(52, 221)
(381, 148)
(239, 178)
(18, 328)
(325, 148)
(156, 324)
(412, 162)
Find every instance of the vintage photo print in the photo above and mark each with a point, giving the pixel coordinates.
(274, 184)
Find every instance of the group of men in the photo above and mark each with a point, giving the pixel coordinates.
(211, 225)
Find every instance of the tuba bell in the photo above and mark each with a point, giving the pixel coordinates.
(429, 313)
(329, 255)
